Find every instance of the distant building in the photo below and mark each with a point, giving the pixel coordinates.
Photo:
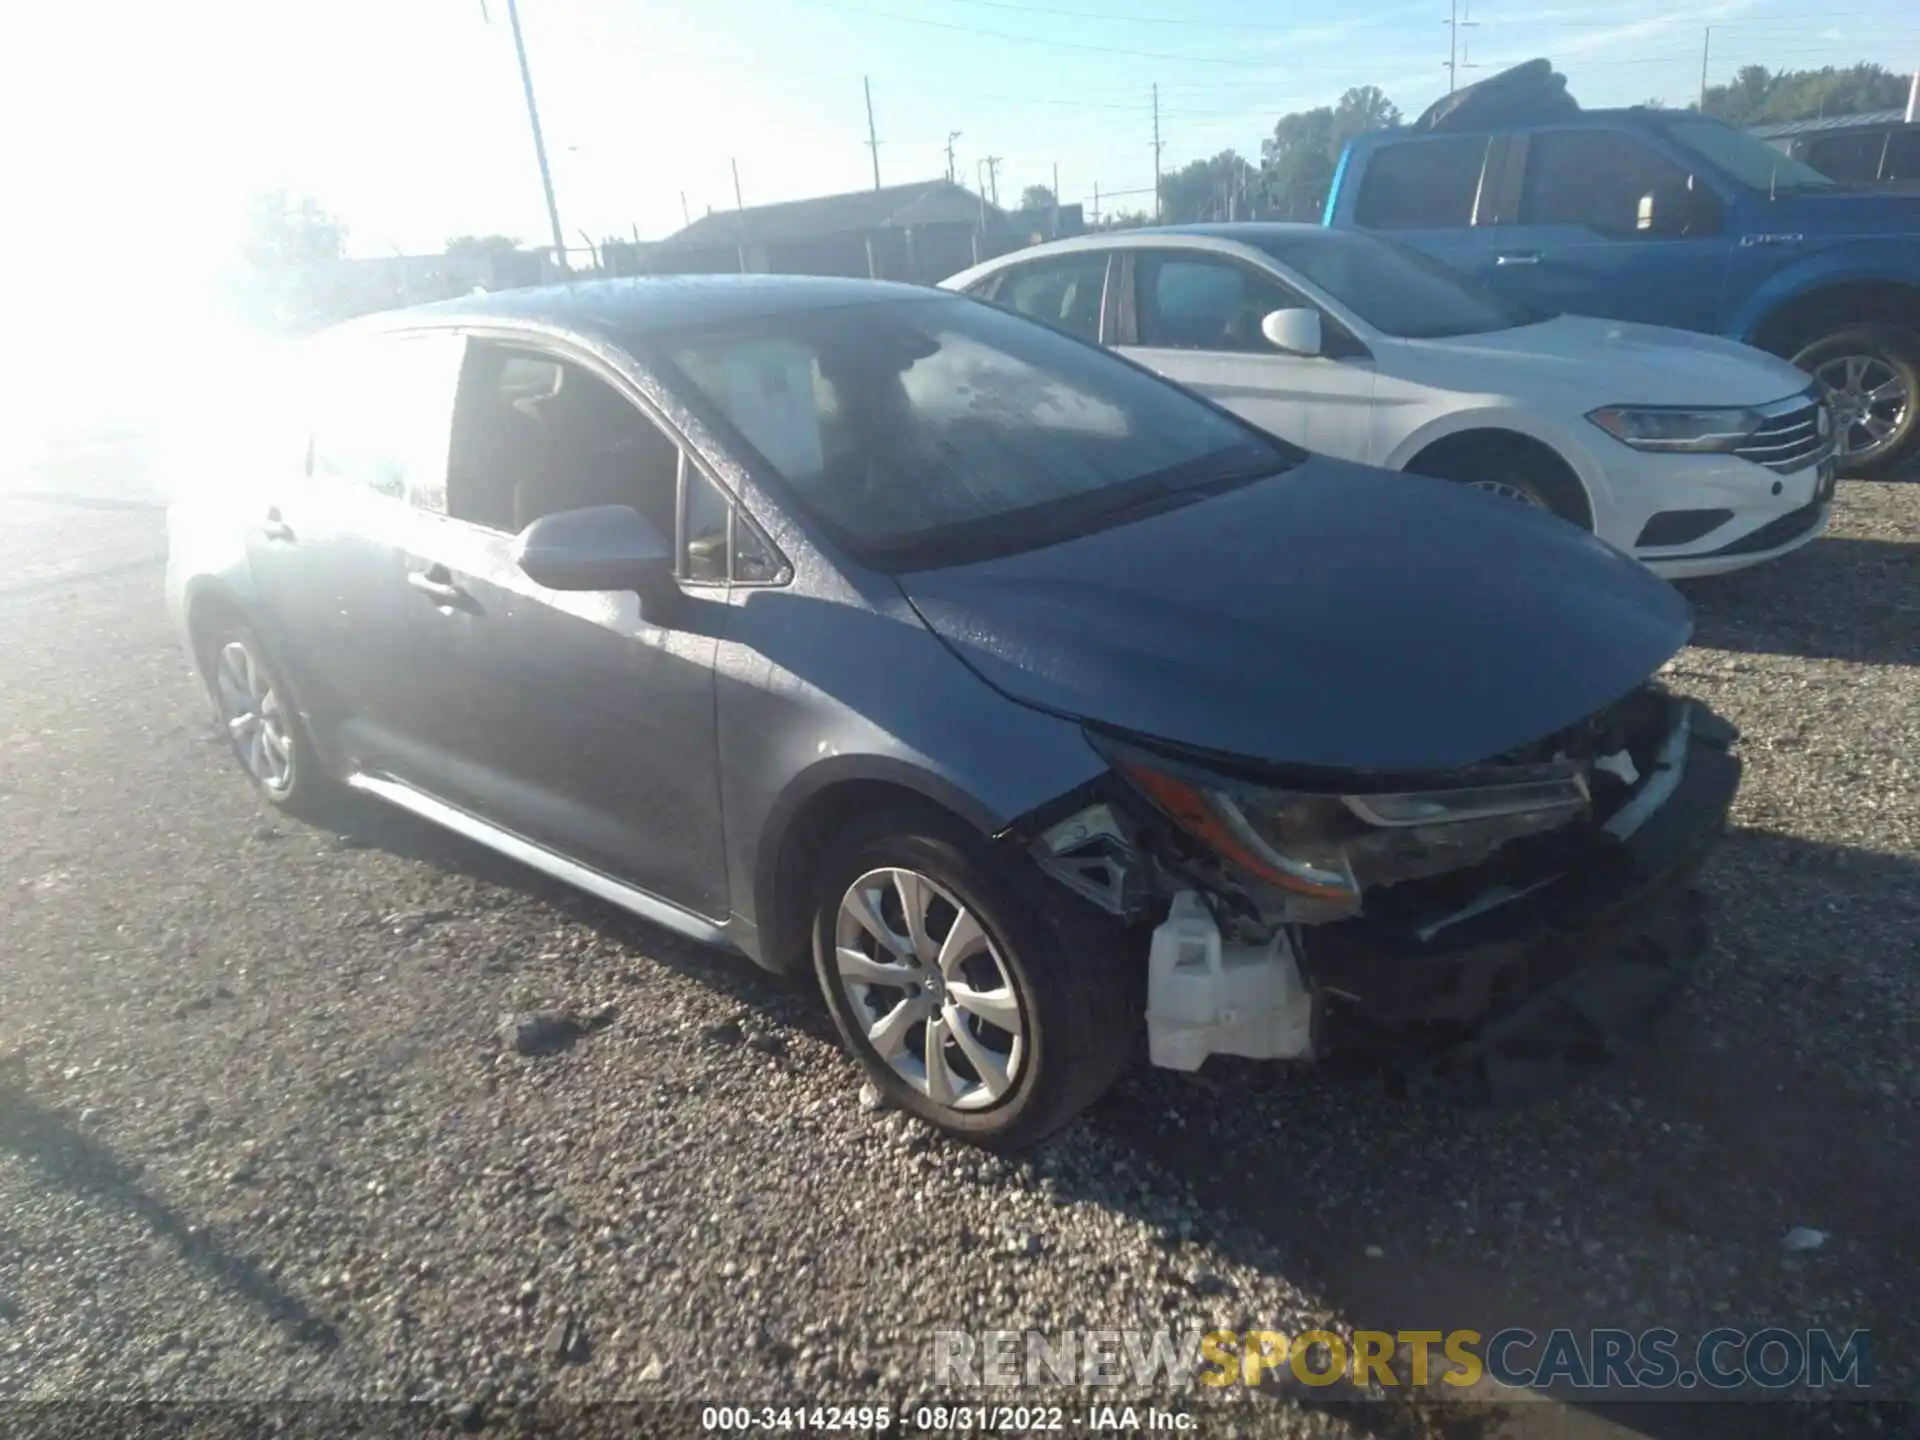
(922, 232)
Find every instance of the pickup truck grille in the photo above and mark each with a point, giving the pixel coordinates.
(1789, 441)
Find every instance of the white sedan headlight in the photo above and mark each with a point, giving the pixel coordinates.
(1686, 431)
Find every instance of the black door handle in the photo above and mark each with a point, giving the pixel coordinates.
(274, 528)
(436, 583)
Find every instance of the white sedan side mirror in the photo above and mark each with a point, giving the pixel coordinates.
(1297, 332)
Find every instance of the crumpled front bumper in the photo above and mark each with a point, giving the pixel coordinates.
(1561, 962)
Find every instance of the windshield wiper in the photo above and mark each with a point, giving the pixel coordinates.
(1182, 487)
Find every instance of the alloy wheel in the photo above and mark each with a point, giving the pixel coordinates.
(1869, 399)
(255, 720)
(926, 984)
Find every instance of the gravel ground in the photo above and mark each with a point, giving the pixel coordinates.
(259, 1136)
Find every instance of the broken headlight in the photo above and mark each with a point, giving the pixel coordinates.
(1329, 847)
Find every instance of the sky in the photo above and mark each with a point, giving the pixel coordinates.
(136, 130)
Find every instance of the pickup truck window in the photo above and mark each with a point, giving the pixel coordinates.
(1903, 156)
(1596, 179)
(1851, 158)
(1422, 184)
(1751, 161)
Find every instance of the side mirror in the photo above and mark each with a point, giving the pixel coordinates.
(604, 547)
(1296, 332)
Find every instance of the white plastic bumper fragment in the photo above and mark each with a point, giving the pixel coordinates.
(1207, 998)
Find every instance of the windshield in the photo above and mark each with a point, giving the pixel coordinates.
(1392, 287)
(927, 432)
(1751, 161)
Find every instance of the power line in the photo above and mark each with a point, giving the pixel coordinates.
(1111, 17)
(1040, 40)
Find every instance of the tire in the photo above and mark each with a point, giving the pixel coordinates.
(1077, 1001)
(275, 751)
(1515, 471)
(1876, 437)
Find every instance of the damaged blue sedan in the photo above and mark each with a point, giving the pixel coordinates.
(1042, 710)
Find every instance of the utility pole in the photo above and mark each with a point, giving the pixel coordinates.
(1454, 26)
(533, 121)
(1096, 204)
(740, 218)
(952, 135)
(1056, 200)
(1156, 152)
(686, 218)
(873, 140)
(992, 162)
(1706, 49)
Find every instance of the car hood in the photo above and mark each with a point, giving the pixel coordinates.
(1334, 616)
(1607, 362)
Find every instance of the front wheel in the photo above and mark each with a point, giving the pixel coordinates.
(1515, 470)
(966, 1005)
(1870, 375)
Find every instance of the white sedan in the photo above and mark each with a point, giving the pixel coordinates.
(1694, 454)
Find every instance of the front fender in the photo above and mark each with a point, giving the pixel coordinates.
(1511, 419)
(1893, 261)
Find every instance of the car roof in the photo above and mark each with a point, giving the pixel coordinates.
(1611, 117)
(1244, 232)
(644, 305)
(1201, 237)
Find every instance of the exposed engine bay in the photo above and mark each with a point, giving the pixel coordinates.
(1295, 916)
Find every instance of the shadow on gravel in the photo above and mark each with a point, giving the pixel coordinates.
(368, 825)
(85, 1168)
(1656, 1194)
(1838, 599)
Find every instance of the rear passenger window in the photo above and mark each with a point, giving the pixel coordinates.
(1850, 158)
(1063, 293)
(1903, 155)
(1422, 184)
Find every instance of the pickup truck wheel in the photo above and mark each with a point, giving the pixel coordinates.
(1871, 377)
(967, 1004)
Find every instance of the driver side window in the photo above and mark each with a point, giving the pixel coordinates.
(1198, 302)
(1613, 185)
(536, 435)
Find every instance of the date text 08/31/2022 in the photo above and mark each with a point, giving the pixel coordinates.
(935, 1419)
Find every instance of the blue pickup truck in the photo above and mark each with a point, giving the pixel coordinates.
(1675, 219)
